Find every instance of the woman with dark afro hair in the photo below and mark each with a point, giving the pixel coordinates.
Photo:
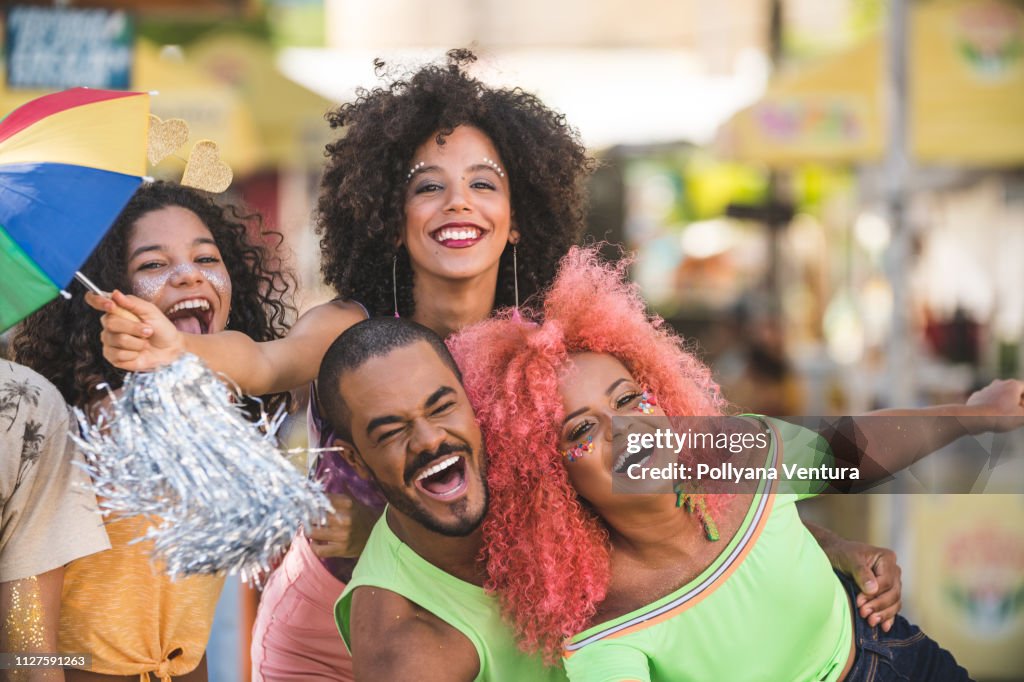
(443, 200)
(193, 261)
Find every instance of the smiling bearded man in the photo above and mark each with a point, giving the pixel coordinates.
(415, 608)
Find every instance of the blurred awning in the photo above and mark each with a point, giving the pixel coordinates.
(966, 96)
(288, 117)
(612, 96)
(212, 110)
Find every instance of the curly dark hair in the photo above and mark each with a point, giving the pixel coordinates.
(361, 207)
(61, 341)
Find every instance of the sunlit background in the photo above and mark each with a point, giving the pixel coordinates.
(826, 195)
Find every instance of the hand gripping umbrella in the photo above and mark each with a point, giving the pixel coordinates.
(175, 446)
(69, 162)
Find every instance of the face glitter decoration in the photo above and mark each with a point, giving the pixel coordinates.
(579, 450)
(173, 262)
(23, 623)
(647, 402)
(219, 279)
(458, 211)
(415, 168)
(493, 164)
(147, 286)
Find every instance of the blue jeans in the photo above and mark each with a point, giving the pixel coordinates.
(903, 653)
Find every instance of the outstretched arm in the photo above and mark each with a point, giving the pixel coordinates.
(257, 367)
(886, 441)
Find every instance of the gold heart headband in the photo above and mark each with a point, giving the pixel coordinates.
(203, 169)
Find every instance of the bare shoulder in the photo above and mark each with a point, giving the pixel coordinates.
(336, 316)
(349, 308)
(328, 320)
(394, 638)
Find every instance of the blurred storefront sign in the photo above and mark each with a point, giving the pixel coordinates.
(969, 553)
(966, 96)
(54, 48)
(191, 9)
(228, 89)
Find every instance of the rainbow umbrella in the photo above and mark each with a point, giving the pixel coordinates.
(69, 162)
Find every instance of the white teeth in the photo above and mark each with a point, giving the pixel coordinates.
(457, 234)
(438, 468)
(191, 303)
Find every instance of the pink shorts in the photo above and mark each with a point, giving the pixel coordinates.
(294, 637)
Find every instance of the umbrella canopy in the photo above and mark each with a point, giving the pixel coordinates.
(69, 162)
(965, 96)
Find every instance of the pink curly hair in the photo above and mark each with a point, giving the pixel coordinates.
(546, 552)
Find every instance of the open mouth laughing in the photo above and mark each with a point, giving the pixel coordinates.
(444, 479)
(192, 315)
(627, 459)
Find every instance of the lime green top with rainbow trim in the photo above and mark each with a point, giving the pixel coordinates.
(768, 607)
(389, 563)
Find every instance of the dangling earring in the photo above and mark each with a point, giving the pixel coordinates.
(515, 275)
(394, 281)
(697, 504)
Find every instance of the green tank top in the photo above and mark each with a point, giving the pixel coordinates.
(390, 564)
(768, 607)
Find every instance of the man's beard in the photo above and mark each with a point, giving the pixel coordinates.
(465, 521)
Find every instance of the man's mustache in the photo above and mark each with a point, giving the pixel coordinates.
(426, 457)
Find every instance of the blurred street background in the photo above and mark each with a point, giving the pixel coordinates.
(827, 196)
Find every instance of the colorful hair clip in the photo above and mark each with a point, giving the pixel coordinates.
(647, 402)
(577, 452)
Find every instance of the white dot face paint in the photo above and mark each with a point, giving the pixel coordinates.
(458, 214)
(174, 263)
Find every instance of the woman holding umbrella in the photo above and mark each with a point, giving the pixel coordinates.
(192, 260)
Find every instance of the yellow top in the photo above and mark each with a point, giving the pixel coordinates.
(129, 615)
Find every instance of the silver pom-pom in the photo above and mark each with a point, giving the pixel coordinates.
(175, 447)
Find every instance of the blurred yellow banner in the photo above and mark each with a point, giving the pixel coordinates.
(966, 96)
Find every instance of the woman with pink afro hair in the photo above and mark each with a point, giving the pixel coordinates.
(628, 586)
(537, 527)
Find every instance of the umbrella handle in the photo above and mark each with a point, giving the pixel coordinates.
(121, 312)
(118, 310)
